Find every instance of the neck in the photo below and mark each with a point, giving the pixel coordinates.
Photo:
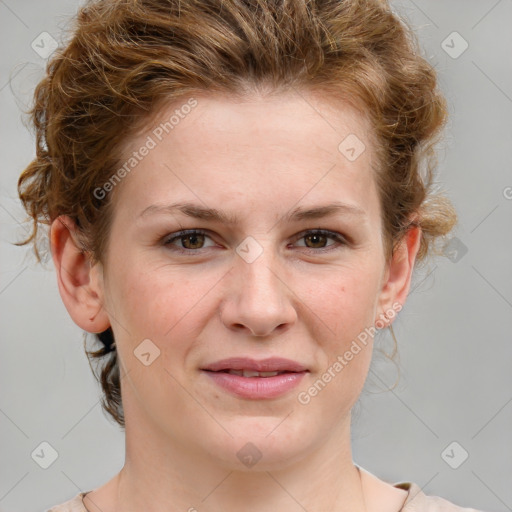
(161, 475)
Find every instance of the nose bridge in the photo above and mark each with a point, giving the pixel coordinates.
(258, 276)
(259, 300)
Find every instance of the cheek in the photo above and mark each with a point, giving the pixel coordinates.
(141, 302)
(162, 304)
(347, 306)
(344, 299)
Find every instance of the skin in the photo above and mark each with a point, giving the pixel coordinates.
(259, 158)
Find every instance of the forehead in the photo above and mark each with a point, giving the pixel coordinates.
(270, 117)
(218, 146)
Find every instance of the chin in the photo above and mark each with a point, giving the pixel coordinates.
(259, 443)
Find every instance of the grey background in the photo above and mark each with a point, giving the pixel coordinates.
(454, 333)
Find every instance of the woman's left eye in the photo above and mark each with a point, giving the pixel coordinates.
(194, 239)
(320, 237)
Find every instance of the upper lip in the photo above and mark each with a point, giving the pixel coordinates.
(272, 364)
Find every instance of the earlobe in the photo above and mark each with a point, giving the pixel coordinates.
(80, 285)
(399, 273)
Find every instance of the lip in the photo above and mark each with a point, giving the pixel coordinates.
(256, 388)
(271, 364)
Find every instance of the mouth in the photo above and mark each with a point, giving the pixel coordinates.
(252, 379)
(261, 368)
(252, 373)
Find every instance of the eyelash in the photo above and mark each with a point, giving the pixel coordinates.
(168, 239)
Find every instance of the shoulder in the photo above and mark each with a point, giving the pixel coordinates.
(73, 505)
(418, 501)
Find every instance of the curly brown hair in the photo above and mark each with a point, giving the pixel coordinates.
(126, 57)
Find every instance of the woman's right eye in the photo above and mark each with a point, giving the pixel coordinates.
(191, 240)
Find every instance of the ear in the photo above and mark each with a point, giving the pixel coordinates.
(397, 279)
(80, 285)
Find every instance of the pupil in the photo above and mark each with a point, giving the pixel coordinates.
(194, 239)
(316, 238)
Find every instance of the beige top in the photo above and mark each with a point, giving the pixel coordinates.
(416, 501)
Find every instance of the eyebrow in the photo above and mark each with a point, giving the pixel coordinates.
(297, 214)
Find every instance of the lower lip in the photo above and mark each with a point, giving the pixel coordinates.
(256, 387)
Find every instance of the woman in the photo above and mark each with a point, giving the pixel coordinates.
(237, 204)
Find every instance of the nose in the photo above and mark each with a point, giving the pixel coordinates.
(258, 298)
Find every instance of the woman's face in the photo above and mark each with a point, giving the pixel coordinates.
(258, 177)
